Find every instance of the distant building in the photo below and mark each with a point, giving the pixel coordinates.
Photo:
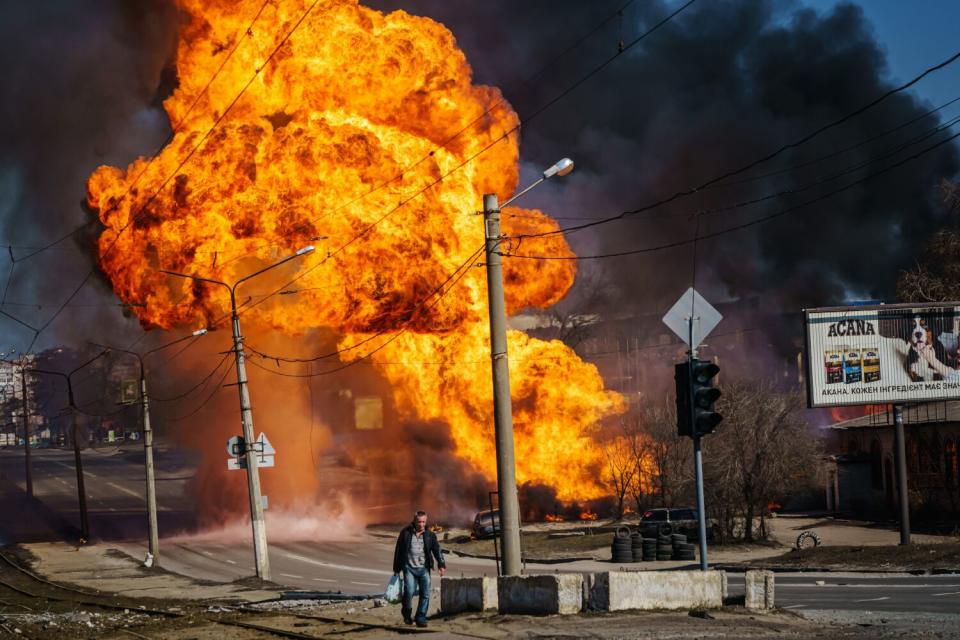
(11, 401)
(861, 478)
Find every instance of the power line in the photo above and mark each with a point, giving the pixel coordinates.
(205, 402)
(168, 140)
(453, 279)
(815, 161)
(202, 383)
(745, 225)
(750, 165)
(182, 163)
(363, 232)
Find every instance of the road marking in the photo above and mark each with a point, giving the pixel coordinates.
(331, 565)
(125, 490)
(366, 584)
(323, 580)
(290, 575)
(874, 599)
(230, 561)
(795, 606)
(951, 593)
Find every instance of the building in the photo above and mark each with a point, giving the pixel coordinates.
(11, 401)
(862, 469)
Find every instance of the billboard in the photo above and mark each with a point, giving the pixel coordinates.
(884, 354)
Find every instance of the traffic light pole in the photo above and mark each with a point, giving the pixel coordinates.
(697, 460)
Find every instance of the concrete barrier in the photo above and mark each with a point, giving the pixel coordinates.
(647, 590)
(539, 595)
(468, 594)
(759, 590)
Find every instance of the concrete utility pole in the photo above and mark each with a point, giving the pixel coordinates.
(901, 455)
(260, 549)
(153, 534)
(502, 403)
(26, 431)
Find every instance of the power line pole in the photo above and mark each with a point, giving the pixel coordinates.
(502, 404)
(78, 461)
(153, 535)
(901, 455)
(26, 430)
(260, 549)
(261, 555)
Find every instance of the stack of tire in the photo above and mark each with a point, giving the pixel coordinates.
(648, 549)
(621, 549)
(681, 549)
(664, 547)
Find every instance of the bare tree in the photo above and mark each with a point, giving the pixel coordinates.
(667, 457)
(762, 452)
(936, 276)
(576, 317)
(621, 468)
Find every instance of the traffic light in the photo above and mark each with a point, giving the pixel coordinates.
(696, 396)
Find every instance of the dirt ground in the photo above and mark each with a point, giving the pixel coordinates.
(944, 556)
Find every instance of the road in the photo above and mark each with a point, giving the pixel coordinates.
(361, 565)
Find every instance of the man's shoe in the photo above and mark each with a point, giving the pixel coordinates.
(421, 623)
(407, 620)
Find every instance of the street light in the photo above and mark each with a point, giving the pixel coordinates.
(261, 557)
(502, 405)
(78, 462)
(153, 536)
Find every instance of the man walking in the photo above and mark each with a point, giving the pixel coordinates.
(416, 550)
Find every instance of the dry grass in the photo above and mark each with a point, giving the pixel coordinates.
(541, 546)
(911, 557)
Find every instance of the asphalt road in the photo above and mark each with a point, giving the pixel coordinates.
(114, 481)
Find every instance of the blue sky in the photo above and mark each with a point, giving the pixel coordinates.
(916, 34)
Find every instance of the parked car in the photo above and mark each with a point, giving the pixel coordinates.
(671, 520)
(486, 524)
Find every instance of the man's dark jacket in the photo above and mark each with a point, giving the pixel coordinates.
(431, 549)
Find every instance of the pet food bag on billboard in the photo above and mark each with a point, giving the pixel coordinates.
(882, 354)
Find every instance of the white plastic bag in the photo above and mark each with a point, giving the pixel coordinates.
(392, 594)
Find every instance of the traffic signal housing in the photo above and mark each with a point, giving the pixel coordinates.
(696, 396)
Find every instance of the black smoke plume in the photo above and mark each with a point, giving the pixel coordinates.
(718, 86)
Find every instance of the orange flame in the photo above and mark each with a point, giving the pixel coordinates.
(552, 518)
(588, 515)
(357, 111)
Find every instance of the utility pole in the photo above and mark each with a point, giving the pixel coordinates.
(26, 430)
(260, 549)
(153, 535)
(901, 455)
(502, 404)
(697, 459)
(78, 461)
(262, 557)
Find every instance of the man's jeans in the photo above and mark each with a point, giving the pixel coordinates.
(413, 578)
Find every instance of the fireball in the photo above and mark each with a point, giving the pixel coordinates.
(337, 121)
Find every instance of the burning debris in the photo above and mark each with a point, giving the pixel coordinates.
(364, 128)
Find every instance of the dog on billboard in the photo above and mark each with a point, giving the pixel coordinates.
(919, 337)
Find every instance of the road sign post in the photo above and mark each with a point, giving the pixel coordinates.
(692, 318)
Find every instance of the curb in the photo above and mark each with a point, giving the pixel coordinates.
(737, 568)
